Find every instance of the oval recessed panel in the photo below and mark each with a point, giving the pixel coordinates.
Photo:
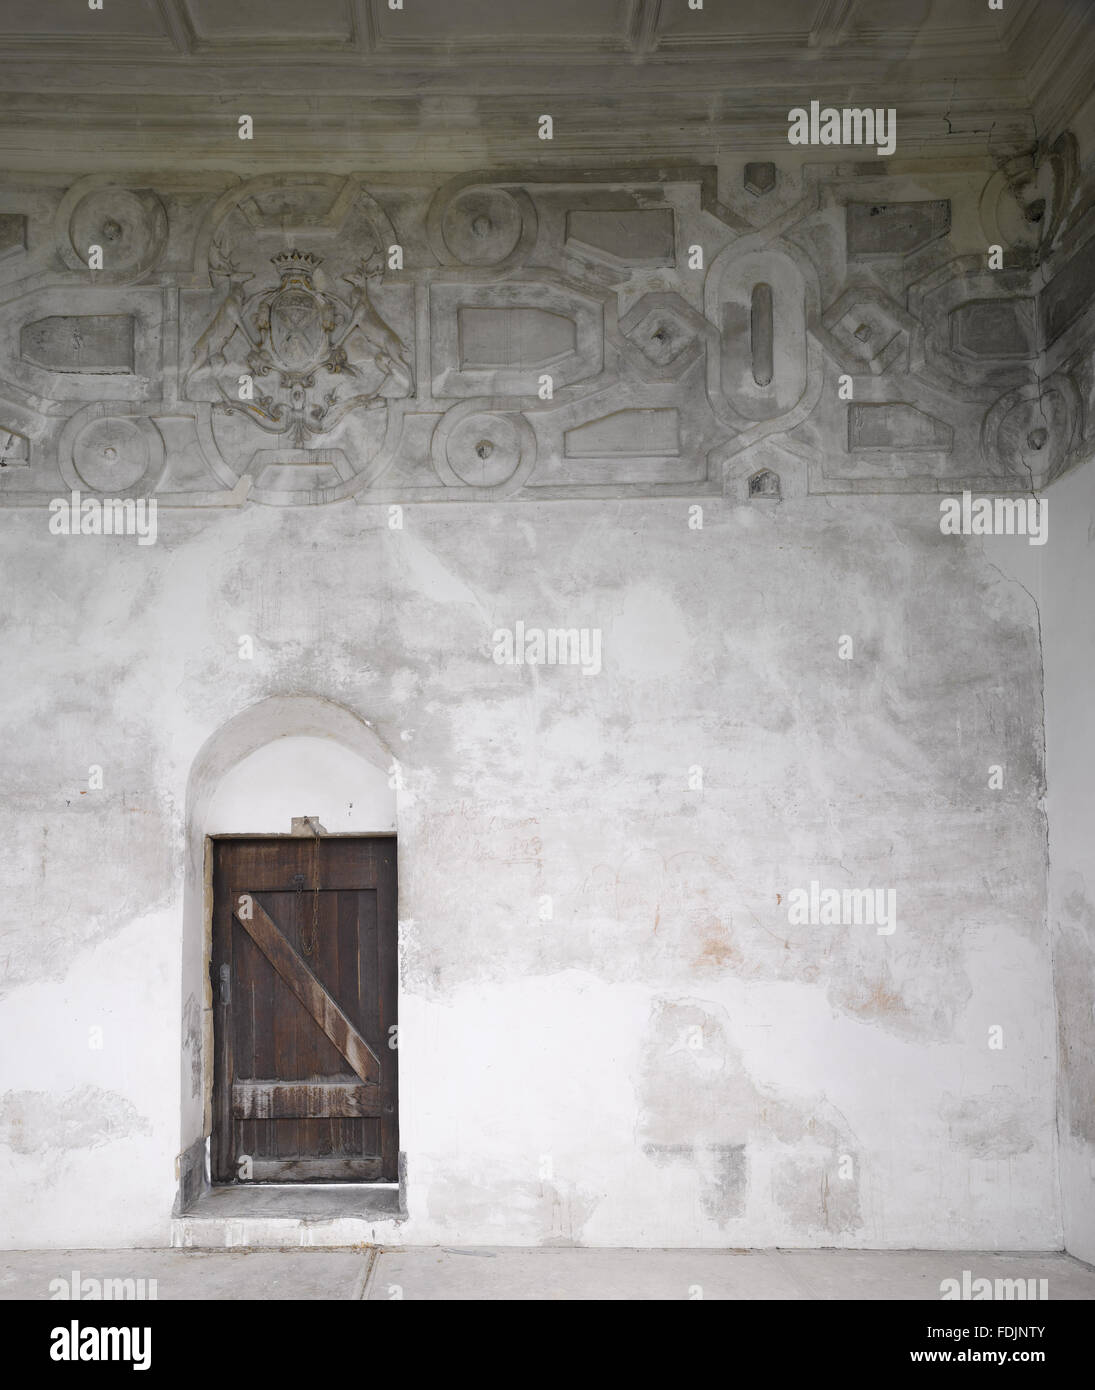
(760, 309)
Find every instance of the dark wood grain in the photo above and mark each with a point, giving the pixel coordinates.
(304, 994)
(322, 1009)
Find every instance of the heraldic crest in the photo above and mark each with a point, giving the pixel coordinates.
(312, 357)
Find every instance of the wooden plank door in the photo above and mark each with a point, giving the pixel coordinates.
(305, 980)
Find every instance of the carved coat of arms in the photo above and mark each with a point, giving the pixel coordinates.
(312, 357)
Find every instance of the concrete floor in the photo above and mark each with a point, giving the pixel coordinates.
(441, 1273)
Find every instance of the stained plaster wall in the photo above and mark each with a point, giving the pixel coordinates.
(1065, 580)
(1070, 743)
(666, 1060)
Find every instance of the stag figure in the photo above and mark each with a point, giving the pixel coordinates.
(382, 345)
(228, 319)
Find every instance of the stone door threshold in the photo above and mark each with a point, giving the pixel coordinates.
(290, 1214)
(299, 1200)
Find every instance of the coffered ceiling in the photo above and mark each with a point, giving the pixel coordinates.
(465, 75)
